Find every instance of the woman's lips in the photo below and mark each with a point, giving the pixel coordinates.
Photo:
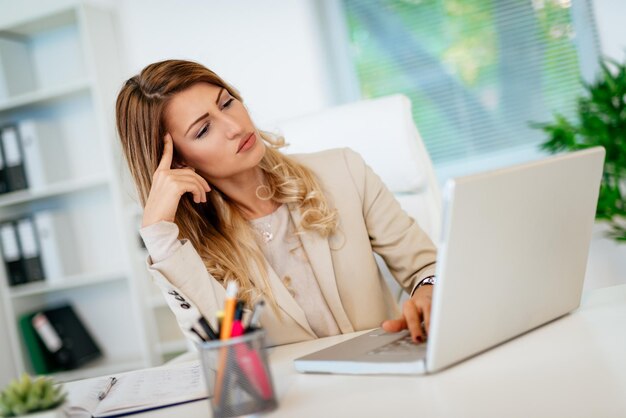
(247, 143)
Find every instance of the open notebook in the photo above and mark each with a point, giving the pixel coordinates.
(138, 391)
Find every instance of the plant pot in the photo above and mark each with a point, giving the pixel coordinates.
(58, 412)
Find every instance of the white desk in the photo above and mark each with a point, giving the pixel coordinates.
(572, 367)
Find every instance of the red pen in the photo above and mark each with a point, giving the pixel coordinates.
(237, 325)
(250, 363)
(249, 360)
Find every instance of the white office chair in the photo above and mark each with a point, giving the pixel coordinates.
(383, 132)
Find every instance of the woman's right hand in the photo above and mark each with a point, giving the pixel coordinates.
(168, 186)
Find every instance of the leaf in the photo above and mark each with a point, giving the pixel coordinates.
(24, 386)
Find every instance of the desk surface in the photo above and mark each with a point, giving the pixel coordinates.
(572, 367)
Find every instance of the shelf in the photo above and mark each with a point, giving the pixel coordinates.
(66, 187)
(101, 367)
(73, 59)
(68, 282)
(45, 95)
(37, 24)
(170, 347)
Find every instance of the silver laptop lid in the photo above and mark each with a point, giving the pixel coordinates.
(513, 253)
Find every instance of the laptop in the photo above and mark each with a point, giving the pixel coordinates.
(512, 258)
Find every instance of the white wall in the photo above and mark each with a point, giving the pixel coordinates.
(270, 50)
(610, 15)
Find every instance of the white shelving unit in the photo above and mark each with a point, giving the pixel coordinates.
(76, 76)
(166, 339)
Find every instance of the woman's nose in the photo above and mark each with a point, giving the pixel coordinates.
(233, 127)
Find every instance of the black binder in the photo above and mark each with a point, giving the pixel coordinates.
(14, 171)
(78, 346)
(30, 249)
(11, 254)
(4, 187)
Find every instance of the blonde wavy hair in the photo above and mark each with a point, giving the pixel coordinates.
(223, 238)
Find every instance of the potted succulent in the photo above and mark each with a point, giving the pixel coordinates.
(601, 120)
(32, 398)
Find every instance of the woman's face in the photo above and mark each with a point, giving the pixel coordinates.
(212, 132)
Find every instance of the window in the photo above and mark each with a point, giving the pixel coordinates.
(477, 71)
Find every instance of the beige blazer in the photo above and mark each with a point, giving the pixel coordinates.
(370, 221)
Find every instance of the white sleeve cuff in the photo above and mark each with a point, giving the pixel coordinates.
(161, 240)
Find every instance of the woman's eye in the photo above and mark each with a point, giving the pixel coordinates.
(203, 131)
(205, 128)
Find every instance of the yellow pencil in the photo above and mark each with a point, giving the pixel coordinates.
(229, 310)
(225, 331)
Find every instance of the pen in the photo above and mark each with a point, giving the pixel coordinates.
(256, 315)
(252, 365)
(192, 329)
(237, 325)
(229, 310)
(107, 389)
(225, 333)
(249, 361)
(239, 310)
(220, 318)
(207, 328)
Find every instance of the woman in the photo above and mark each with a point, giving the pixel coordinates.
(222, 203)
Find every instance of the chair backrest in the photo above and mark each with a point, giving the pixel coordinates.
(383, 132)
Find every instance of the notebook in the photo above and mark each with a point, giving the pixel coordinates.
(512, 257)
(138, 391)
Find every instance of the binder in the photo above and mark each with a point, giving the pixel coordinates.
(45, 156)
(3, 181)
(11, 254)
(17, 73)
(65, 337)
(42, 361)
(29, 246)
(58, 244)
(13, 159)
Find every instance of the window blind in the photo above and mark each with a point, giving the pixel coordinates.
(478, 72)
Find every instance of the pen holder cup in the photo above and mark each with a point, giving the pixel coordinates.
(237, 375)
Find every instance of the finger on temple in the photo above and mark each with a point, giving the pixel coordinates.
(168, 153)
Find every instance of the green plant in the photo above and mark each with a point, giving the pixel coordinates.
(601, 115)
(28, 395)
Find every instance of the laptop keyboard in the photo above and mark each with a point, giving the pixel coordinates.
(402, 346)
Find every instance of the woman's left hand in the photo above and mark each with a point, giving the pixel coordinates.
(415, 311)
